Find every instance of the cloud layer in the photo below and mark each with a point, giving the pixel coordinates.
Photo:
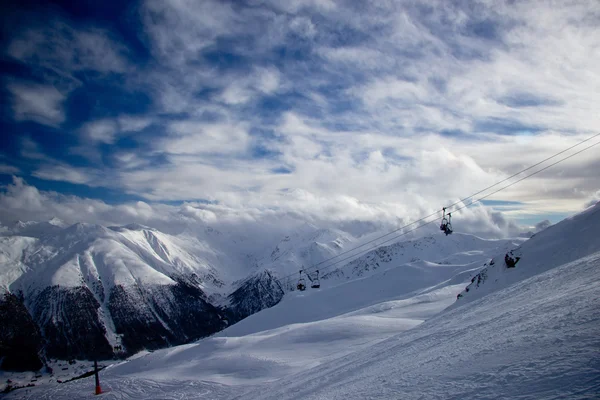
(328, 110)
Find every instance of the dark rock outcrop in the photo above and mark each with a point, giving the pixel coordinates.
(254, 294)
(69, 321)
(160, 316)
(20, 340)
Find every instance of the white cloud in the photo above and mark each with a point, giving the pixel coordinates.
(67, 174)
(261, 226)
(235, 94)
(106, 131)
(303, 27)
(594, 198)
(133, 124)
(103, 131)
(37, 102)
(268, 80)
(129, 160)
(180, 30)
(8, 169)
(392, 111)
(59, 47)
(242, 89)
(191, 137)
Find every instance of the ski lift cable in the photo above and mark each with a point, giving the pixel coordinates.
(458, 209)
(364, 251)
(453, 204)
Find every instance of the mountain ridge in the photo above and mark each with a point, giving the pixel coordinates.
(138, 288)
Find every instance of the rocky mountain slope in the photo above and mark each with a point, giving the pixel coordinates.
(95, 291)
(92, 289)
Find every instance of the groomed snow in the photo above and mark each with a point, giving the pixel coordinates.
(539, 338)
(391, 335)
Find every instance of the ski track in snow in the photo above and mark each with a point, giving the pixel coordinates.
(130, 388)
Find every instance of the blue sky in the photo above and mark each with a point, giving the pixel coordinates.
(336, 110)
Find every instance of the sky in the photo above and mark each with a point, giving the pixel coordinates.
(346, 112)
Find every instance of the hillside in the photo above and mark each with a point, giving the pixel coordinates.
(392, 335)
(90, 288)
(570, 239)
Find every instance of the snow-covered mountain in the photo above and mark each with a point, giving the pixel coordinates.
(377, 327)
(307, 246)
(528, 331)
(95, 291)
(90, 288)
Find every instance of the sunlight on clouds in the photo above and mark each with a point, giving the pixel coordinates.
(377, 111)
(191, 137)
(39, 103)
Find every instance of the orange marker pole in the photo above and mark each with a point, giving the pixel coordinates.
(98, 388)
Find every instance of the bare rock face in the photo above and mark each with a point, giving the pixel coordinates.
(20, 339)
(254, 294)
(69, 321)
(160, 316)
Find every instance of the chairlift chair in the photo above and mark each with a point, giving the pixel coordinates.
(444, 220)
(446, 224)
(301, 286)
(315, 283)
(448, 229)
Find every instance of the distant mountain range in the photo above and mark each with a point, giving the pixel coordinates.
(85, 291)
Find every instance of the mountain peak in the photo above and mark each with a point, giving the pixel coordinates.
(57, 222)
(131, 227)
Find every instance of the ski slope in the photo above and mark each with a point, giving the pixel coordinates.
(539, 338)
(309, 328)
(392, 334)
(227, 364)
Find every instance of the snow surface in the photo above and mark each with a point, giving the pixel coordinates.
(390, 334)
(84, 254)
(539, 338)
(573, 238)
(536, 339)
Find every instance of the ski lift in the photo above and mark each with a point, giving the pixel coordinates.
(446, 224)
(314, 283)
(301, 286)
(449, 225)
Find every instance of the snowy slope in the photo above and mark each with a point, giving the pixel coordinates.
(135, 287)
(397, 283)
(240, 361)
(90, 288)
(307, 329)
(536, 339)
(439, 249)
(533, 335)
(570, 239)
